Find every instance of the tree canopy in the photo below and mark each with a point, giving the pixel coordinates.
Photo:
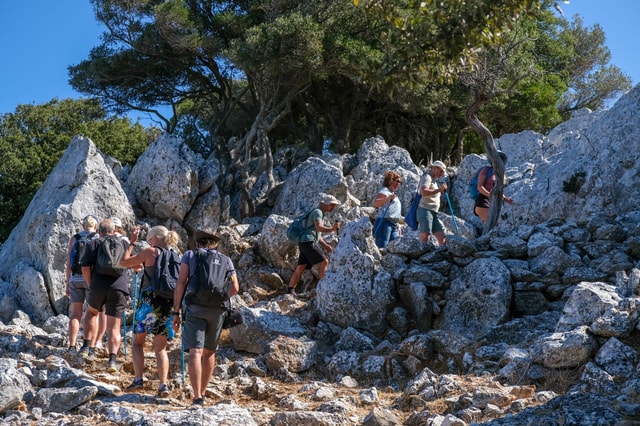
(241, 78)
(34, 137)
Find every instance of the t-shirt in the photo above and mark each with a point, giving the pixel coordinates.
(394, 213)
(104, 281)
(431, 202)
(310, 234)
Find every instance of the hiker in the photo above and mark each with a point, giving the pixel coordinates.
(105, 290)
(388, 216)
(202, 323)
(427, 213)
(311, 242)
(153, 312)
(120, 232)
(485, 186)
(77, 288)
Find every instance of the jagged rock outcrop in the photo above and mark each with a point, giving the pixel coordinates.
(541, 311)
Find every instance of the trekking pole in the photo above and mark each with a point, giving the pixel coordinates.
(124, 321)
(135, 303)
(182, 349)
(375, 231)
(455, 225)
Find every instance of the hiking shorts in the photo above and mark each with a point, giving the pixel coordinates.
(482, 202)
(78, 289)
(115, 301)
(202, 327)
(428, 221)
(310, 254)
(153, 314)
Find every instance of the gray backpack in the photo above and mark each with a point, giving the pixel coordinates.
(208, 283)
(110, 253)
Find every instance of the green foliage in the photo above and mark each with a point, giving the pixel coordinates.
(34, 137)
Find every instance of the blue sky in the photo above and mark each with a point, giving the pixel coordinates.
(41, 38)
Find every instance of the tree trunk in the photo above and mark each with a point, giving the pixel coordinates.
(495, 159)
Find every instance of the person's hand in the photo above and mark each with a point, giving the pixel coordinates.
(134, 234)
(336, 226)
(443, 187)
(175, 323)
(392, 196)
(508, 200)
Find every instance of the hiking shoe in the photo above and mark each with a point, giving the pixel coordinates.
(292, 291)
(113, 367)
(163, 391)
(86, 352)
(137, 383)
(198, 401)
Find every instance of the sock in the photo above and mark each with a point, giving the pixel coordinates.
(86, 343)
(112, 357)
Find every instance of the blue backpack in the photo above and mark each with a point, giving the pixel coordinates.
(473, 185)
(298, 228)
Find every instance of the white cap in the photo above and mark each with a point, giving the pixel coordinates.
(440, 165)
(329, 199)
(116, 222)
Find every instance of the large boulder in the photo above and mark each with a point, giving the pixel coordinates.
(81, 183)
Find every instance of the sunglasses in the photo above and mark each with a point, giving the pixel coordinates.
(397, 180)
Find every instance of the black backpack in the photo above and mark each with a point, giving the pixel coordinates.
(165, 273)
(78, 250)
(110, 252)
(208, 284)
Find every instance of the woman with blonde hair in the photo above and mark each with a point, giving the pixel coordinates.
(153, 313)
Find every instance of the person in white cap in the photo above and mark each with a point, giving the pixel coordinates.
(427, 213)
(311, 242)
(120, 232)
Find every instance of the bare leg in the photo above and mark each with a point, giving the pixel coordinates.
(195, 371)
(440, 237)
(137, 353)
(297, 274)
(208, 364)
(322, 268)
(424, 237)
(483, 213)
(113, 330)
(90, 326)
(162, 359)
(102, 327)
(75, 315)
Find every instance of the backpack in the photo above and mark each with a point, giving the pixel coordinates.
(298, 228)
(165, 273)
(208, 282)
(473, 185)
(110, 252)
(411, 217)
(78, 250)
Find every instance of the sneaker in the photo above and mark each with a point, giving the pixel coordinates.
(138, 383)
(163, 391)
(113, 367)
(86, 352)
(198, 401)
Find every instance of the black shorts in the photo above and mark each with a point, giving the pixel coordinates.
(115, 301)
(310, 254)
(481, 201)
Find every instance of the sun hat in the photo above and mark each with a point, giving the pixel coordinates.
(329, 199)
(440, 165)
(202, 234)
(116, 222)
